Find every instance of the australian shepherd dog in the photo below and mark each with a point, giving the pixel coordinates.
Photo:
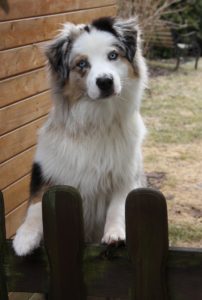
(93, 135)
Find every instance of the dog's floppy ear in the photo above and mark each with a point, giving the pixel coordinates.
(127, 32)
(58, 50)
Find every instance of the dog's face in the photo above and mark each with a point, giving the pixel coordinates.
(95, 60)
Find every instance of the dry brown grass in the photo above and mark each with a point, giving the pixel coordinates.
(173, 114)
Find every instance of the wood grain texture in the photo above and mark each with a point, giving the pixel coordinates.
(23, 59)
(26, 31)
(27, 8)
(37, 297)
(16, 167)
(20, 139)
(147, 242)
(64, 250)
(15, 218)
(20, 296)
(23, 112)
(184, 274)
(23, 86)
(29, 296)
(16, 193)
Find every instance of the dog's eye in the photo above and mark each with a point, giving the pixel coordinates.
(82, 64)
(113, 55)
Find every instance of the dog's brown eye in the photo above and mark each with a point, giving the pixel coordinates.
(113, 55)
(82, 64)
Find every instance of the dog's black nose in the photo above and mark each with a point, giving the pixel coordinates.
(105, 83)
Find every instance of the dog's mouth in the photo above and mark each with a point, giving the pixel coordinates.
(107, 94)
(104, 94)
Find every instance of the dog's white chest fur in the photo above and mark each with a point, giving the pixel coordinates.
(97, 161)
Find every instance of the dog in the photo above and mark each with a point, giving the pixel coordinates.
(93, 135)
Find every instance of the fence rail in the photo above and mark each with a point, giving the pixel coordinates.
(66, 268)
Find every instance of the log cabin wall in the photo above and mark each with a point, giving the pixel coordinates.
(24, 91)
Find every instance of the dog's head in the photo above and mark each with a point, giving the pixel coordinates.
(95, 60)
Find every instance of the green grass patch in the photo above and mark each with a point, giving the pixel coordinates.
(184, 234)
(172, 108)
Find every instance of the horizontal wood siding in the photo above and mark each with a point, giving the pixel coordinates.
(17, 9)
(25, 26)
(20, 87)
(26, 31)
(22, 112)
(16, 167)
(20, 188)
(23, 59)
(20, 139)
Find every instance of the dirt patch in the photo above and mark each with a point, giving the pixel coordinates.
(155, 179)
(177, 173)
(155, 71)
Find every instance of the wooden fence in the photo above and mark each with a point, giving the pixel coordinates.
(24, 97)
(66, 268)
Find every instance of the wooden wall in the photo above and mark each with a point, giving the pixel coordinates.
(24, 91)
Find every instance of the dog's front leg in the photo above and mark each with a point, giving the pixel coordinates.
(30, 233)
(114, 230)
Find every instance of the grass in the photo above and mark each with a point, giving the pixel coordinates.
(183, 234)
(175, 113)
(172, 110)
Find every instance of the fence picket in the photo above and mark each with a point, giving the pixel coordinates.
(147, 243)
(64, 242)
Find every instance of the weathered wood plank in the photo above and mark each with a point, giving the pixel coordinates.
(23, 59)
(102, 275)
(147, 242)
(37, 297)
(16, 167)
(64, 250)
(27, 274)
(20, 139)
(16, 193)
(23, 86)
(20, 296)
(26, 31)
(27, 8)
(15, 218)
(184, 277)
(25, 111)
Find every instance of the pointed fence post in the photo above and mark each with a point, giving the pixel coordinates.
(147, 242)
(64, 242)
(3, 285)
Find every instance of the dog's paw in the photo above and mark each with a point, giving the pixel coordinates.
(114, 235)
(26, 240)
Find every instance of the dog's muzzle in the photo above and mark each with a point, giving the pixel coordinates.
(106, 86)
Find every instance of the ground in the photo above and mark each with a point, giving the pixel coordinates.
(172, 110)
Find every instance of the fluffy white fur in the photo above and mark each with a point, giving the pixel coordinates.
(94, 144)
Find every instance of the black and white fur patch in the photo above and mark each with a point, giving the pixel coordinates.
(37, 180)
(125, 32)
